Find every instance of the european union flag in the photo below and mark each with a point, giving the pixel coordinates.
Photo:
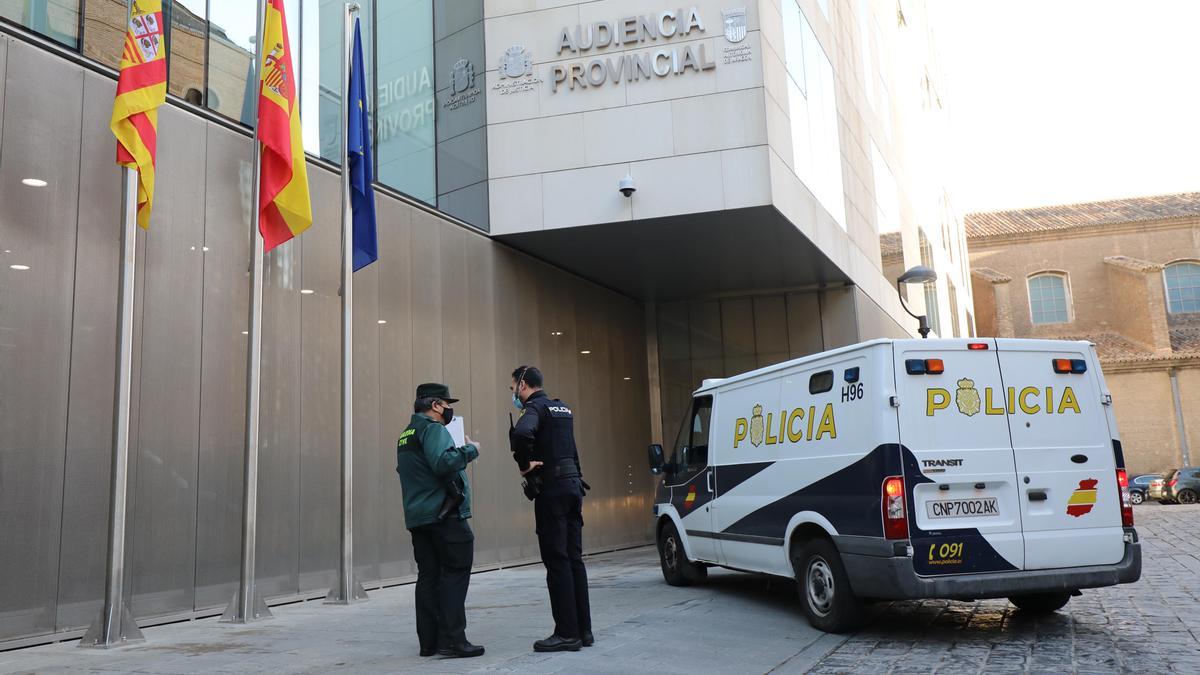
(358, 145)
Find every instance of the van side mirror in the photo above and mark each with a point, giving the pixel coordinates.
(657, 459)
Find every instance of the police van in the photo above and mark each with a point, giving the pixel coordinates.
(891, 469)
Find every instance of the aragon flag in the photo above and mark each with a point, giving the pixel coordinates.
(284, 207)
(141, 89)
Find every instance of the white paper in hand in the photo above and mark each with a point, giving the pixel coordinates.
(457, 432)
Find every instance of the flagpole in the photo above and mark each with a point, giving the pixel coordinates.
(247, 604)
(115, 625)
(347, 590)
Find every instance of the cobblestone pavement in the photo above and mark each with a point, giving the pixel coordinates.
(734, 623)
(1152, 626)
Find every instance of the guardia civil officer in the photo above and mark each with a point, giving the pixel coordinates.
(437, 504)
(543, 444)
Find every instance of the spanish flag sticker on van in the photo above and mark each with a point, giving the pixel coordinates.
(1083, 498)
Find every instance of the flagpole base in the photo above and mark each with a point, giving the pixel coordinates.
(336, 597)
(258, 612)
(94, 638)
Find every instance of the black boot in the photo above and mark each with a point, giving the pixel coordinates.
(461, 650)
(587, 638)
(557, 643)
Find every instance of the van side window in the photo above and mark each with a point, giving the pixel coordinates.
(690, 454)
(820, 382)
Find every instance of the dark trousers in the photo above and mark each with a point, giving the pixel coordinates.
(444, 552)
(560, 537)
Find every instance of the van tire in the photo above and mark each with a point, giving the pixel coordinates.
(1187, 497)
(825, 594)
(676, 568)
(1040, 603)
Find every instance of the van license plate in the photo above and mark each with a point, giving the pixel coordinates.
(962, 508)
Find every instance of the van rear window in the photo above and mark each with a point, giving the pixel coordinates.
(820, 382)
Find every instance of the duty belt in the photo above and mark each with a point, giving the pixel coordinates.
(567, 468)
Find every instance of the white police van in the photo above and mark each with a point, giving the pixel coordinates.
(892, 469)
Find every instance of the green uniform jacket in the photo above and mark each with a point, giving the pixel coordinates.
(426, 459)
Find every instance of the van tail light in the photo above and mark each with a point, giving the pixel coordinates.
(1126, 504)
(895, 519)
(977, 346)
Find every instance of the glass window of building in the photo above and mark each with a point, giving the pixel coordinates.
(1048, 298)
(954, 325)
(1183, 287)
(321, 75)
(187, 43)
(932, 309)
(104, 25)
(231, 35)
(404, 111)
(812, 109)
(461, 110)
(56, 19)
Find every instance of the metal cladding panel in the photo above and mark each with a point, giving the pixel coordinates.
(38, 224)
(228, 178)
(396, 385)
(507, 527)
(427, 300)
(804, 324)
(279, 421)
(93, 349)
(368, 461)
(492, 474)
(320, 388)
(164, 501)
(770, 330)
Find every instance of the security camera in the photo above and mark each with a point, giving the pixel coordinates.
(626, 186)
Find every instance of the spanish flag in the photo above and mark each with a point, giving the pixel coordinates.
(283, 205)
(141, 88)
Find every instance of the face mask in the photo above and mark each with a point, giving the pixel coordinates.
(517, 402)
(447, 415)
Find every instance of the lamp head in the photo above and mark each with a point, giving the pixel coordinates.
(918, 274)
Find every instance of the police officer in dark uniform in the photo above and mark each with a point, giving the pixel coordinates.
(543, 444)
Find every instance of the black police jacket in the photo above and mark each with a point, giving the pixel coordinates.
(545, 433)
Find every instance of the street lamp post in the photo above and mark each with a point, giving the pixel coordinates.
(918, 274)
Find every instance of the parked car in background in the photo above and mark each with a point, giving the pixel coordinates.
(1158, 489)
(1139, 486)
(1183, 485)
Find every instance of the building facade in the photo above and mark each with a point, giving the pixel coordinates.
(772, 148)
(1124, 274)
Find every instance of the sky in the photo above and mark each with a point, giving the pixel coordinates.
(1063, 101)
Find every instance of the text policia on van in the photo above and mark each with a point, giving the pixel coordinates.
(631, 67)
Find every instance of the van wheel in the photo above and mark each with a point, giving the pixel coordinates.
(1040, 603)
(676, 568)
(1187, 497)
(825, 593)
(1136, 498)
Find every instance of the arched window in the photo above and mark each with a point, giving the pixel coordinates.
(1183, 287)
(1049, 299)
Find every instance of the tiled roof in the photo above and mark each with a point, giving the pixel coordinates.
(1090, 214)
(1113, 348)
(890, 244)
(989, 274)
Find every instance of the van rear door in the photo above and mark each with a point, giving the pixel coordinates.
(959, 471)
(1070, 501)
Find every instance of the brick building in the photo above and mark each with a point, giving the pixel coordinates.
(1124, 274)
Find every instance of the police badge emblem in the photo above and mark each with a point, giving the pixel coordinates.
(516, 62)
(462, 76)
(735, 24)
(967, 397)
(757, 426)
